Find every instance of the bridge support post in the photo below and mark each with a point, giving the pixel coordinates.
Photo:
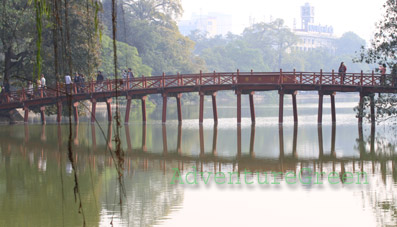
(214, 139)
(143, 104)
(144, 147)
(320, 107)
(214, 108)
(165, 146)
(26, 116)
(179, 107)
(201, 134)
(238, 141)
(109, 108)
(164, 117)
(252, 141)
(93, 109)
(280, 107)
(76, 112)
(333, 112)
(59, 112)
(372, 104)
(179, 140)
(294, 107)
(238, 93)
(201, 113)
(252, 107)
(42, 114)
(127, 110)
(361, 109)
(281, 142)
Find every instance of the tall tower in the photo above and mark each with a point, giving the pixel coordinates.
(307, 16)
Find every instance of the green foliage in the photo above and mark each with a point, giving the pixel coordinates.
(232, 56)
(127, 55)
(382, 50)
(268, 47)
(155, 35)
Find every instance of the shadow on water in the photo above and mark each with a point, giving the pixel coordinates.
(33, 159)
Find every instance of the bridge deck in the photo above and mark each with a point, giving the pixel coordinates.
(204, 84)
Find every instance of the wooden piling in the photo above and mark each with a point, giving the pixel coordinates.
(127, 110)
(320, 108)
(333, 112)
(75, 112)
(42, 114)
(179, 107)
(109, 108)
(361, 109)
(201, 113)
(280, 107)
(372, 104)
(252, 107)
(93, 109)
(214, 108)
(26, 116)
(59, 112)
(164, 114)
(238, 93)
(294, 107)
(143, 105)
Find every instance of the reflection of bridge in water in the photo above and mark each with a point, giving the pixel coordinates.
(239, 162)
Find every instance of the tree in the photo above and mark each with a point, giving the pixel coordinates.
(126, 54)
(19, 35)
(382, 50)
(17, 31)
(349, 44)
(155, 35)
(272, 38)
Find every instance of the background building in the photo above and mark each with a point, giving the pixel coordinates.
(311, 35)
(211, 24)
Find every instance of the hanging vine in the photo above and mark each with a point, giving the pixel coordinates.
(119, 152)
(42, 10)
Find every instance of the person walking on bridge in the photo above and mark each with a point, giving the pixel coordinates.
(382, 69)
(342, 72)
(99, 80)
(68, 82)
(43, 84)
(130, 75)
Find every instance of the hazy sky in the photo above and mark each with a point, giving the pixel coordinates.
(358, 16)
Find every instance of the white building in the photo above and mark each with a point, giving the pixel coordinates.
(311, 35)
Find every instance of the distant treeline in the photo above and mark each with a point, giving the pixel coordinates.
(74, 36)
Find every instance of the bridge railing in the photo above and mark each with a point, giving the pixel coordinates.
(203, 79)
(332, 78)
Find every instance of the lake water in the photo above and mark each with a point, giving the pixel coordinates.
(38, 180)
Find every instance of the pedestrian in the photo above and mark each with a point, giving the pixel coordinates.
(382, 69)
(38, 88)
(76, 81)
(130, 75)
(68, 82)
(43, 84)
(124, 74)
(342, 72)
(82, 83)
(99, 80)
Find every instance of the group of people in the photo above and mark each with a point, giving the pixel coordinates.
(41, 86)
(78, 79)
(382, 70)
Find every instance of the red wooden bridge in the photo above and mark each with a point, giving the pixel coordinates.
(326, 83)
